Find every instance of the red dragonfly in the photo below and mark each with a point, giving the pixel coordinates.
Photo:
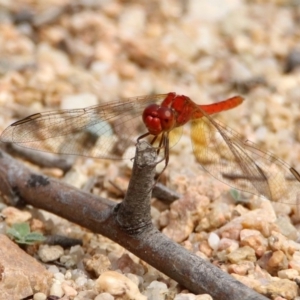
(105, 131)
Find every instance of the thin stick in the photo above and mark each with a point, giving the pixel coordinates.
(104, 217)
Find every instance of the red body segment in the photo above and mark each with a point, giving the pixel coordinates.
(219, 107)
(176, 110)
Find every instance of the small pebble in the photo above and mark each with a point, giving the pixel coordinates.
(13, 215)
(68, 290)
(56, 289)
(59, 276)
(104, 296)
(39, 296)
(78, 101)
(50, 253)
(156, 290)
(53, 269)
(203, 297)
(118, 285)
(288, 274)
(243, 253)
(81, 281)
(86, 295)
(213, 240)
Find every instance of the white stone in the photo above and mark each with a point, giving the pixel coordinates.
(53, 269)
(185, 297)
(68, 275)
(211, 11)
(203, 297)
(104, 296)
(213, 240)
(56, 289)
(85, 295)
(50, 253)
(132, 21)
(59, 276)
(81, 281)
(78, 101)
(39, 296)
(288, 274)
(118, 285)
(156, 291)
(68, 290)
(13, 215)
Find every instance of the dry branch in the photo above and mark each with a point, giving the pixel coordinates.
(129, 223)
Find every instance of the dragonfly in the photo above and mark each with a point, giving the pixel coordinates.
(107, 130)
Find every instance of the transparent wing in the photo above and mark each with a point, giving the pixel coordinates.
(175, 135)
(102, 131)
(241, 164)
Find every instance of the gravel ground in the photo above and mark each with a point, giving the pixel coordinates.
(69, 54)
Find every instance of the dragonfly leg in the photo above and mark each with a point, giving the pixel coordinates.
(166, 152)
(142, 136)
(153, 140)
(164, 143)
(161, 144)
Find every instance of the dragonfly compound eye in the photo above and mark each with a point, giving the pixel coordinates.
(167, 118)
(151, 119)
(158, 119)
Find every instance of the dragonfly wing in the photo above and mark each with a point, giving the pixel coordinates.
(239, 163)
(175, 135)
(88, 132)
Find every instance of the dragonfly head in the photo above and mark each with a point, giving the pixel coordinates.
(158, 119)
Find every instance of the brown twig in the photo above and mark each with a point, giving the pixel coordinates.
(62, 240)
(42, 159)
(165, 194)
(128, 223)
